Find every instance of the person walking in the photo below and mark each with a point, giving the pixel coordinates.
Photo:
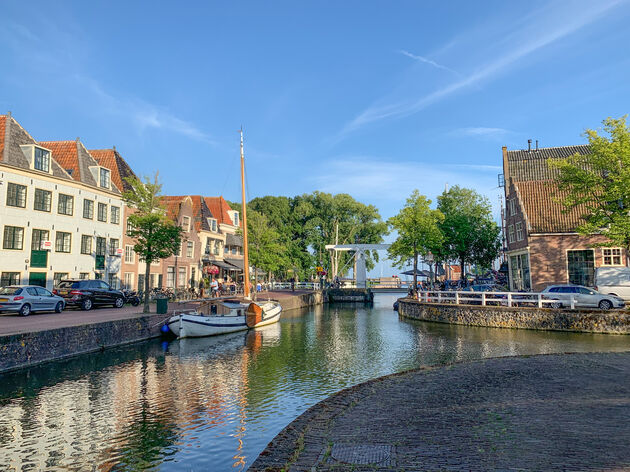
(201, 287)
(214, 286)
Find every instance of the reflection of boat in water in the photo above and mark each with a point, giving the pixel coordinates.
(211, 345)
(223, 317)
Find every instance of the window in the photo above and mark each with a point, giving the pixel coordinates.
(98, 275)
(130, 256)
(190, 247)
(181, 277)
(88, 209)
(612, 256)
(113, 247)
(519, 231)
(511, 234)
(86, 244)
(63, 242)
(102, 212)
(233, 249)
(43, 200)
(128, 281)
(186, 223)
(581, 265)
(115, 216)
(170, 277)
(42, 160)
(104, 177)
(113, 281)
(58, 277)
(84, 275)
(16, 195)
(39, 236)
(235, 218)
(512, 206)
(213, 224)
(101, 249)
(519, 267)
(66, 204)
(9, 278)
(130, 227)
(13, 237)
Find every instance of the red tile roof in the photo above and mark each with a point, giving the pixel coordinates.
(112, 159)
(219, 209)
(3, 120)
(544, 212)
(172, 205)
(65, 153)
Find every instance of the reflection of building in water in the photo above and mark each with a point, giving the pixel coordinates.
(104, 419)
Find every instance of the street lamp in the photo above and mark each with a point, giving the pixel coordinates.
(429, 259)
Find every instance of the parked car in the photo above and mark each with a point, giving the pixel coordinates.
(584, 297)
(89, 293)
(613, 281)
(25, 299)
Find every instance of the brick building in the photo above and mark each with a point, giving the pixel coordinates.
(543, 246)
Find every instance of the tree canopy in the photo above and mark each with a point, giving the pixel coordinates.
(470, 233)
(156, 237)
(598, 184)
(417, 226)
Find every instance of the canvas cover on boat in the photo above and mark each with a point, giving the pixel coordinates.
(254, 315)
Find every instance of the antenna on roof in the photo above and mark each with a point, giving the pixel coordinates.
(529, 145)
(114, 146)
(536, 145)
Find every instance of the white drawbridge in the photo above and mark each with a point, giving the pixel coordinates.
(360, 275)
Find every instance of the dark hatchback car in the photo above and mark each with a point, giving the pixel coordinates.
(89, 293)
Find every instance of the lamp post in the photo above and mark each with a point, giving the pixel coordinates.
(429, 259)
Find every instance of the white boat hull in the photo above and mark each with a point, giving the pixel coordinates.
(193, 325)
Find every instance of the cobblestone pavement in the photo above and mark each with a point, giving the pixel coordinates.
(566, 412)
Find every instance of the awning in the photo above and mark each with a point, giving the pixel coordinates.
(233, 240)
(238, 263)
(223, 265)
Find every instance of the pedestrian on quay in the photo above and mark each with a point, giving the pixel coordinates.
(201, 287)
(214, 286)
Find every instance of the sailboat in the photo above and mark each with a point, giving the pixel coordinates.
(228, 316)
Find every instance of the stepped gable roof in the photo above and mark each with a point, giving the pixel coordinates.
(201, 213)
(524, 165)
(219, 209)
(112, 159)
(543, 210)
(12, 136)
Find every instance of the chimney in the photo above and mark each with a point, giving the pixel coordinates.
(536, 145)
(529, 145)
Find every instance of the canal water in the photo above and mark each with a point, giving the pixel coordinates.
(213, 404)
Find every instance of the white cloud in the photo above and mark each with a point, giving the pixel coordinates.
(481, 132)
(545, 27)
(426, 61)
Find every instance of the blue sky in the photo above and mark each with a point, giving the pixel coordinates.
(369, 98)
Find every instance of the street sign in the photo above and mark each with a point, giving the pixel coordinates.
(119, 251)
(46, 244)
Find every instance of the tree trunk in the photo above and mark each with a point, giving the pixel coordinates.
(147, 274)
(415, 271)
(462, 266)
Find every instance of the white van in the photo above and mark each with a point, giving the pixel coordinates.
(613, 281)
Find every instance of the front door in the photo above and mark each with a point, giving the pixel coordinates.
(37, 278)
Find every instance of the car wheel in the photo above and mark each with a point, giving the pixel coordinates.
(25, 310)
(556, 305)
(86, 304)
(59, 307)
(605, 305)
(119, 303)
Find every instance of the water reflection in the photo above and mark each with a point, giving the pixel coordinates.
(214, 403)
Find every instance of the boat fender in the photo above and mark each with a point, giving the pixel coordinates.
(164, 328)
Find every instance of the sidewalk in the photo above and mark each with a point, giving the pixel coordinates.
(540, 413)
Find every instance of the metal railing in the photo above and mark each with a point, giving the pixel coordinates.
(298, 286)
(509, 299)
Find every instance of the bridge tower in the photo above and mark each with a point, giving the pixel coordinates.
(359, 254)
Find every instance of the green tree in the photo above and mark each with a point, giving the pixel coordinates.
(418, 231)
(266, 251)
(470, 233)
(597, 185)
(156, 236)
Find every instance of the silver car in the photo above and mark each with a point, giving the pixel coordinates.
(24, 299)
(584, 297)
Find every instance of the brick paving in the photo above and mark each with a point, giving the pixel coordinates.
(566, 412)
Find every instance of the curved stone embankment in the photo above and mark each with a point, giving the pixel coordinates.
(66, 338)
(587, 321)
(530, 413)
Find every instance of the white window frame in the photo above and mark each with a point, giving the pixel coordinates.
(519, 231)
(130, 255)
(186, 223)
(190, 249)
(611, 253)
(512, 206)
(511, 234)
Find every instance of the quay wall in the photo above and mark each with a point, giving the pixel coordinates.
(27, 349)
(586, 321)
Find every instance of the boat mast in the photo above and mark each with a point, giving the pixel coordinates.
(244, 221)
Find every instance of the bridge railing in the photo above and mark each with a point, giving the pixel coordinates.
(298, 286)
(509, 299)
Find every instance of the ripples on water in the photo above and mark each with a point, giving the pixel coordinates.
(214, 403)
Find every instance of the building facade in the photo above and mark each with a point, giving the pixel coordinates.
(543, 246)
(60, 212)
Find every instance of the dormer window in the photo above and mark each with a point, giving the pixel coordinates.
(235, 218)
(213, 224)
(42, 160)
(104, 177)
